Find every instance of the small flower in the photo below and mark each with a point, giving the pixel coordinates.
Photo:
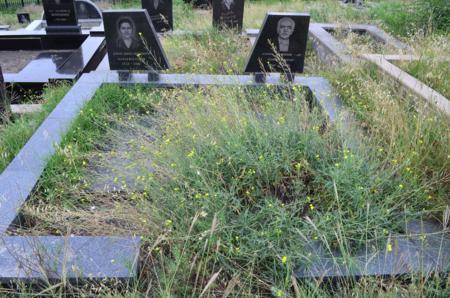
(168, 222)
(279, 293)
(389, 247)
(311, 206)
(400, 186)
(284, 259)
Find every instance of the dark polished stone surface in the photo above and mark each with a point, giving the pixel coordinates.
(87, 9)
(61, 65)
(30, 259)
(160, 12)
(228, 14)
(48, 62)
(281, 44)
(61, 16)
(132, 41)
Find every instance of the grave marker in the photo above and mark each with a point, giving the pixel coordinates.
(61, 16)
(281, 44)
(3, 102)
(87, 10)
(23, 17)
(132, 42)
(228, 14)
(160, 12)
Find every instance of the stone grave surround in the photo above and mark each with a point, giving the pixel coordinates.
(333, 53)
(281, 44)
(228, 14)
(100, 257)
(61, 16)
(160, 12)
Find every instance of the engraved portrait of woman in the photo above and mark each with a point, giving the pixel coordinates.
(127, 39)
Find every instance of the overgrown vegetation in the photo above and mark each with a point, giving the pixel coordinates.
(16, 132)
(243, 183)
(244, 180)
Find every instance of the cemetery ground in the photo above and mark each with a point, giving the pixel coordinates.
(241, 180)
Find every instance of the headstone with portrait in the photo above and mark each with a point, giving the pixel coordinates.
(160, 12)
(23, 17)
(86, 9)
(132, 42)
(61, 16)
(280, 45)
(228, 14)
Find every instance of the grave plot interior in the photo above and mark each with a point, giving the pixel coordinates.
(138, 166)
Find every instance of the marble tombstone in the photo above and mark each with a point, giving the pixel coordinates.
(281, 44)
(132, 42)
(160, 12)
(23, 17)
(60, 16)
(228, 14)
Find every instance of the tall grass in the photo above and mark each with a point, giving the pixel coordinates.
(15, 133)
(245, 180)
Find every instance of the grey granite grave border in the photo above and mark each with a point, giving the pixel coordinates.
(20, 177)
(333, 52)
(433, 97)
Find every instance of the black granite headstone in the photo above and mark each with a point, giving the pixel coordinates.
(23, 17)
(87, 10)
(60, 16)
(160, 12)
(132, 42)
(228, 13)
(3, 103)
(281, 44)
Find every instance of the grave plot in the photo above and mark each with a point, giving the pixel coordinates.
(354, 40)
(164, 164)
(433, 72)
(224, 186)
(437, 77)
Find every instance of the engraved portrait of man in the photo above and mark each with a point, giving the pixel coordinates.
(285, 43)
(127, 39)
